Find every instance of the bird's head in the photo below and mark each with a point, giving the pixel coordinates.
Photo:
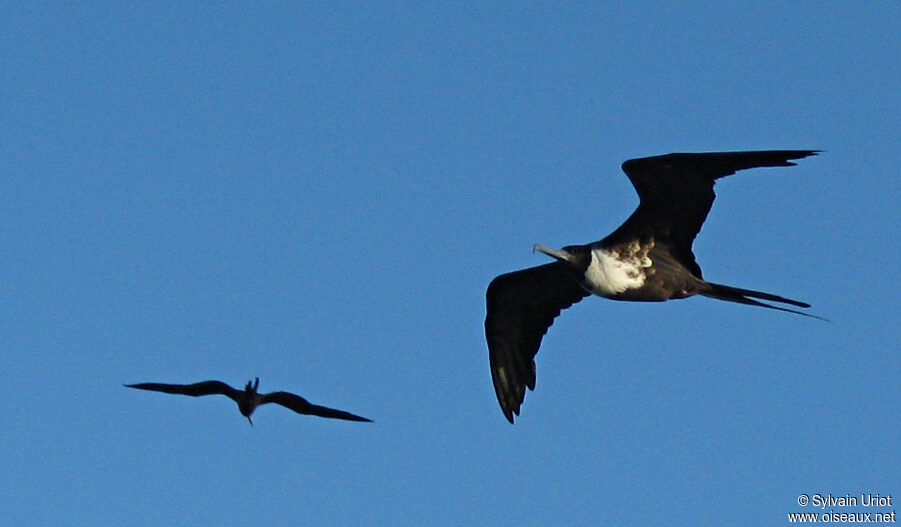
(577, 256)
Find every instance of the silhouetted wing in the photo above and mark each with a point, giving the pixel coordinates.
(521, 306)
(194, 390)
(676, 192)
(302, 406)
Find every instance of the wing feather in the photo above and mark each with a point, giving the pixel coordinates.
(521, 306)
(676, 193)
(194, 390)
(302, 406)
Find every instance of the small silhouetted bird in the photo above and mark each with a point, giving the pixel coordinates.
(249, 399)
(647, 259)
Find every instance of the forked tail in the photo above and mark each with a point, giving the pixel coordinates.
(741, 296)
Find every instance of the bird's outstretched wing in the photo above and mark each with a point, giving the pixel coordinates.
(521, 307)
(302, 406)
(194, 390)
(676, 193)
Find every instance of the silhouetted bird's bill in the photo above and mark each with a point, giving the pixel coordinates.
(248, 399)
(647, 259)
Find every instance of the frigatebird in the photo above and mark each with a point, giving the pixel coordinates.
(647, 259)
(249, 399)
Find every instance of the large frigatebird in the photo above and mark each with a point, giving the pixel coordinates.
(647, 259)
(249, 398)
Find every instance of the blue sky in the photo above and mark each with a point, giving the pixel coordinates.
(318, 194)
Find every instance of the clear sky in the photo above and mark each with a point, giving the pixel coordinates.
(318, 194)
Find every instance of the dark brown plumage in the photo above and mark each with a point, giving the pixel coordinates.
(249, 398)
(648, 258)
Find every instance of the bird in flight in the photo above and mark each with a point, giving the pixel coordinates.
(647, 259)
(249, 398)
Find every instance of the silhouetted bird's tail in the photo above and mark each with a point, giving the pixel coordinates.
(746, 296)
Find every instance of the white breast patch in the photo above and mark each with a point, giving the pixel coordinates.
(617, 269)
